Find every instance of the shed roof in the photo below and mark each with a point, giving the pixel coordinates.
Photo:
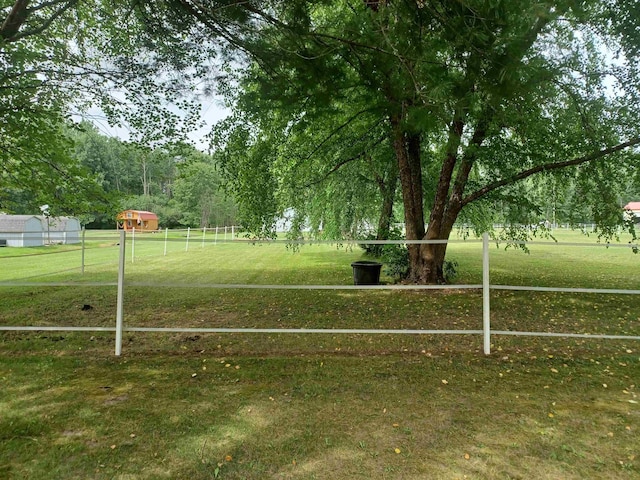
(58, 224)
(15, 223)
(632, 206)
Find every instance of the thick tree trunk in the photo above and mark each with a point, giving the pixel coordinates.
(14, 20)
(426, 261)
(407, 150)
(384, 222)
(433, 255)
(432, 264)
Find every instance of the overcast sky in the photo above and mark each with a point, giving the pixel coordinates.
(211, 111)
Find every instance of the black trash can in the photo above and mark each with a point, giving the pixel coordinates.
(366, 272)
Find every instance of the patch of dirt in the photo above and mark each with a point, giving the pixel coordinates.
(116, 400)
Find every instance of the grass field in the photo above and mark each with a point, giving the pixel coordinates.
(327, 406)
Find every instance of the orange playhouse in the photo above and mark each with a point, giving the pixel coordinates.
(138, 219)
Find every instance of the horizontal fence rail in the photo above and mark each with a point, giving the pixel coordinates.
(302, 330)
(485, 288)
(57, 329)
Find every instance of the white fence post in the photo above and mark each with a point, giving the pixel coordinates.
(166, 233)
(215, 237)
(225, 233)
(186, 247)
(133, 244)
(233, 231)
(486, 311)
(82, 256)
(120, 298)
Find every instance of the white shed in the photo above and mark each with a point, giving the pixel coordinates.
(20, 231)
(61, 229)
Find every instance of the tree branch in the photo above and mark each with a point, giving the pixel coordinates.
(338, 129)
(46, 4)
(549, 167)
(344, 162)
(46, 24)
(479, 135)
(16, 17)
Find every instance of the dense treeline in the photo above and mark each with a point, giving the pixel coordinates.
(180, 184)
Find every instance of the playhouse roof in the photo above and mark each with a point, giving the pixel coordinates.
(143, 214)
(632, 206)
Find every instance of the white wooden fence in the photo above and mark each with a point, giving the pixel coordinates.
(485, 286)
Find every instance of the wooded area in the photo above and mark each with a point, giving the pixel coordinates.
(59, 61)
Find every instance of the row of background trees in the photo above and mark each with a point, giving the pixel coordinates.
(187, 187)
(181, 184)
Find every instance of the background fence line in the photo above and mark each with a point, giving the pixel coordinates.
(486, 288)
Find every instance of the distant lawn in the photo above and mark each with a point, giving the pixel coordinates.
(278, 406)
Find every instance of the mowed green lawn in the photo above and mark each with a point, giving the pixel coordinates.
(306, 406)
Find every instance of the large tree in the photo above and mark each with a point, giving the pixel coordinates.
(34, 151)
(60, 58)
(476, 95)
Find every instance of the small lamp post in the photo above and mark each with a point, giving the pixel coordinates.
(45, 211)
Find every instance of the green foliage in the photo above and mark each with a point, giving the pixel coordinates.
(178, 183)
(479, 104)
(396, 261)
(34, 69)
(450, 270)
(247, 168)
(67, 57)
(376, 250)
(198, 193)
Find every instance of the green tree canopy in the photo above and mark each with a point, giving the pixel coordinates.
(64, 57)
(475, 97)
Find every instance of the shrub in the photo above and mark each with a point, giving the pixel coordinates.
(375, 250)
(396, 264)
(396, 261)
(396, 257)
(450, 270)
